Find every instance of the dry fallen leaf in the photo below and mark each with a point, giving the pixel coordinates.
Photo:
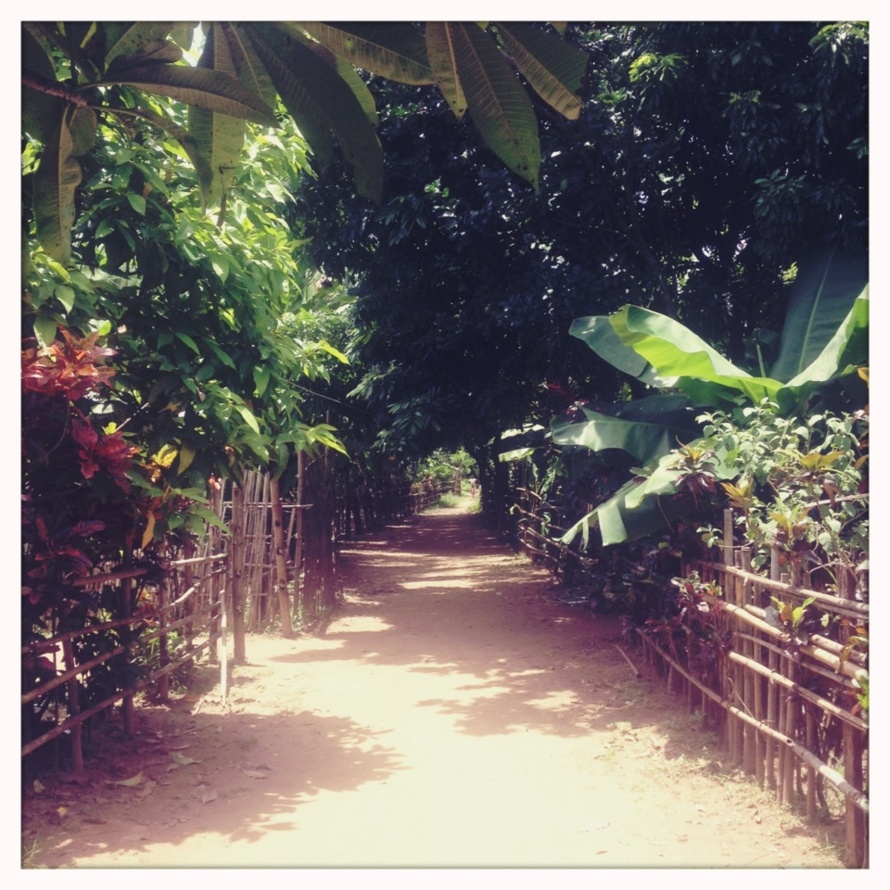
(256, 773)
(181, 759)
(132, 782)
(205, 794)
(39, 787)
(147, 789)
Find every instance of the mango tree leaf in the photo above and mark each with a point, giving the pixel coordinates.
(186, 456)
(553, 67)
(218, 138)
(208, 516)
(128, 43)
(250, 70)
(57, 177)
(261, 377)
(498, 103)
(223, 356)
(351, 78)
(321, 103)
(443, 63)
(40, 111)
(822, 296)
(203, 88)
(394, 50)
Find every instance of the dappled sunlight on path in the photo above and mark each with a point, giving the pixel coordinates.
(449, 715)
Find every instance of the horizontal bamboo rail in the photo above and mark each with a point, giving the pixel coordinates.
(859, 799)
(836, 603)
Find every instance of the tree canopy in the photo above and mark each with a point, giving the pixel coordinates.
(707, 161)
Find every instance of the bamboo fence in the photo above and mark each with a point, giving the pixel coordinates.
(275, 563)
(787, 712)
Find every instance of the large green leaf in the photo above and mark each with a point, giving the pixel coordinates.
(675, 351)
(645, 428)
(58, 176)
(821, 298)
(597, 332)
(249, 69)
(498, 103)
(350, 76)
(846, 350)
(321, 102)
(129, 44)
(553, 67)
(40, 111)
(394, 50)
(219, 138)
(200, 87)
(443, 62)
(619, 522)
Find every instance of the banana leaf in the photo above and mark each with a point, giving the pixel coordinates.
(646, 428)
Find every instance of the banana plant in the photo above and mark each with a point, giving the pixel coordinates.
(74, 71)
(824, 339)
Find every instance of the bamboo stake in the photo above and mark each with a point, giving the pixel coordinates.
(298, 555)
(859, 799)
(855, 822)
(280, 558)
(73, 705)
(788, 767)
(164, 657)
(128, 706)
(772, 705)
(238, 554)
(811, 773)
(223, 649)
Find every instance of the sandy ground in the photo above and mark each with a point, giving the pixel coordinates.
(451, 714)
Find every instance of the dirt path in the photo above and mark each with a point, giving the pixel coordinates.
(450, 715)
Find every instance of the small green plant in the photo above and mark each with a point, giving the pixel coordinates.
(150, 660)
(796, 622)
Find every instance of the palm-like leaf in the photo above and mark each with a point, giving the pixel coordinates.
(497, 101)
(394, 50)
(199, 87)
(58, 176)
(128, 43)
(443, 62)
(40, 112)
(553, 68)
(219, 138)
(321, 103)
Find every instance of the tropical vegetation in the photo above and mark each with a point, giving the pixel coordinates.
(628, 258)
